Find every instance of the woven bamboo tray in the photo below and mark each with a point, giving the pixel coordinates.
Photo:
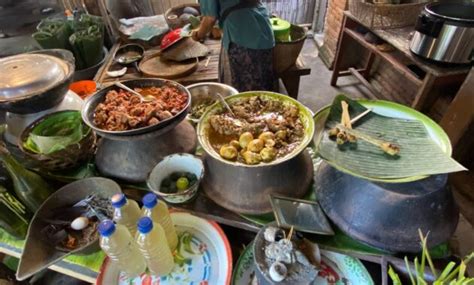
(386, 16)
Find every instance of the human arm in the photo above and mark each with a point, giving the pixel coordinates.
(207, 22)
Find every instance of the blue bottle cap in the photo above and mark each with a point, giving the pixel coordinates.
(118, 200)
(106, 228)
(150, 200)
(145, 225)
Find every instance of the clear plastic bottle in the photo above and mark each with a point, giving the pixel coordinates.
(119, 245)
(158, 211)
(126, 212)
(152, 243)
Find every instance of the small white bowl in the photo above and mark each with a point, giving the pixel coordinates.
(180, 162)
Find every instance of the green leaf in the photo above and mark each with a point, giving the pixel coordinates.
(410, 274)
(394, 276)
(56, 132)
(446, 271)
(419, 155)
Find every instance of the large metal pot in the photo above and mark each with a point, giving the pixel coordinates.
(388, 215)
(204, 91)
(444, 32)
(34, 82)
(91, 103)
(245, 188)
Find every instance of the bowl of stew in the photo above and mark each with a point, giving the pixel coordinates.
(265, 128)
(116, 112)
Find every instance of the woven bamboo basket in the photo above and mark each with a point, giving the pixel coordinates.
(285, 54)
(67, 158)
(383, 16)
(178, 10)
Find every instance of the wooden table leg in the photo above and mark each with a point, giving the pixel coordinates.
(368, 66)
(424, 92)
(292, 85)
(460, 113)
(338, 61)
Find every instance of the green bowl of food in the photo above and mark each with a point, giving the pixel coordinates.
(58, 141)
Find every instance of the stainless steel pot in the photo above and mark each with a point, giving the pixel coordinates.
(203, 91)
(245, 188)
(444, 32)
(34, 82)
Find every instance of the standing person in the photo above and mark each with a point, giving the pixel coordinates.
(247, 43)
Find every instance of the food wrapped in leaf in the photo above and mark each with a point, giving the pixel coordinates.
(87, 46)
(53, 33)
(56, 133)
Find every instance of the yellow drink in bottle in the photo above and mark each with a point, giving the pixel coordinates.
(117, 242)
(152, 243)
(126, 212)
(158, 211)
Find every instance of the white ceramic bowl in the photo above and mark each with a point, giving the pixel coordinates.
(180, 162)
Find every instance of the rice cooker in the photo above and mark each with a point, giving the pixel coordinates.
(444, 32)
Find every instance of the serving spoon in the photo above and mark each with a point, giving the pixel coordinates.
(223, 102)
(147, 98)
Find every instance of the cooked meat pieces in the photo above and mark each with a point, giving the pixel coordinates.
(122, 110)
(254, 116)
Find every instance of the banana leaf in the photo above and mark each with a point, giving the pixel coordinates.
(87, 46)
(56, 133)
(419, 154)
(53, 34)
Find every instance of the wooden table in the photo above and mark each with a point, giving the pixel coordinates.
(207, 71)
(432, 76)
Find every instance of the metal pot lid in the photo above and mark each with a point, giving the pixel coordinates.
(25, 75)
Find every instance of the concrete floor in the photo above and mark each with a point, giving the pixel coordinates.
(315, 90)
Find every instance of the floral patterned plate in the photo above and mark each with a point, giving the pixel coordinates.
(337, 269)
(211, 264)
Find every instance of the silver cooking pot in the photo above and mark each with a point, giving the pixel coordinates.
(246, 188)
(444, 32)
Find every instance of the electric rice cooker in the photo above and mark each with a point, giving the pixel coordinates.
(444, 32)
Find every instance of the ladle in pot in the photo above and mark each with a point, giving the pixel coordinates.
(223, 102)
(147, 98)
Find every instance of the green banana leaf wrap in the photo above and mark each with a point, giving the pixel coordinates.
(83, 37)
(56, 133)
(53, 33)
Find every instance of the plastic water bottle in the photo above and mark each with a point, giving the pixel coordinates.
(117, 242)
(157, 210)
(152, 243)
(127, 212)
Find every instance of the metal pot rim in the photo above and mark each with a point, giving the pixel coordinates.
(308, 137)
(88, 109)
(429, 10)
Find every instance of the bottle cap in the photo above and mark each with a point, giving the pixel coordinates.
(106, 228)
(150, 200)
(118, 200)
(145, 225)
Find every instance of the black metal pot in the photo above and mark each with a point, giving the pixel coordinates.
(388, 215)
(35, 99)
(91, 103)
